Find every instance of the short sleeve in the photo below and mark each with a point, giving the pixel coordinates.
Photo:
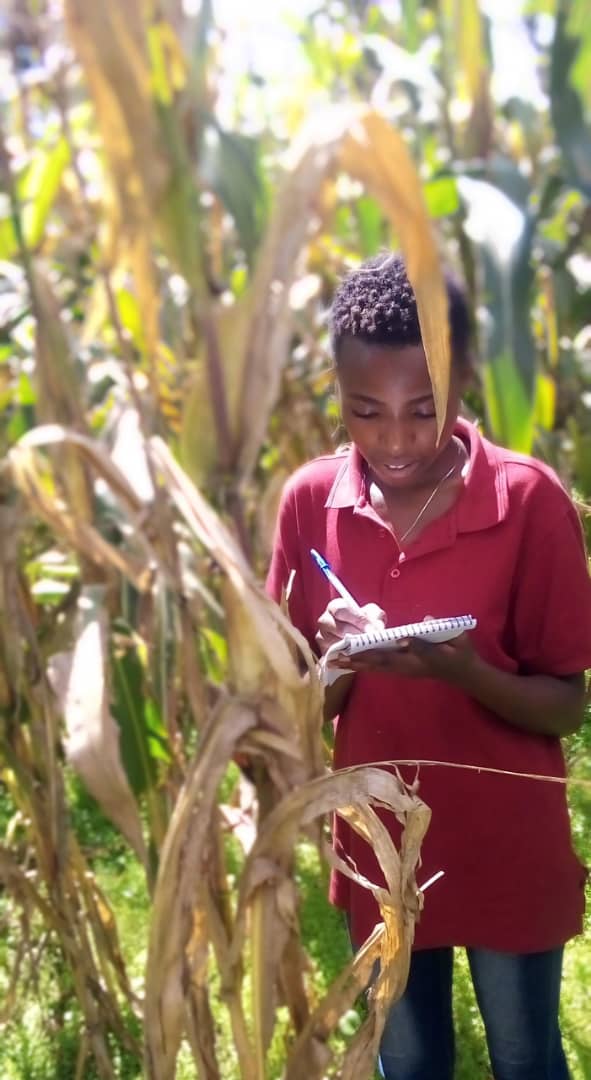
(285, 558)
(552, 606)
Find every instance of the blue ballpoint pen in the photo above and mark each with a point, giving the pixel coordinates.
(337, 585)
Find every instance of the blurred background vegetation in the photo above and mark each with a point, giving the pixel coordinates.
(180, 190)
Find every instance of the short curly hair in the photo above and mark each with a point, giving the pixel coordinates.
(376, 304)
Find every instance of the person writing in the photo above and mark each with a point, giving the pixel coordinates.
(419, 528)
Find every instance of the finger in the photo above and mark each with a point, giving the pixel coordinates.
(375, 615)
(359, 618)
(325, 639)
(396, 661)
(328, 629)
(421, 647)
(342, 611)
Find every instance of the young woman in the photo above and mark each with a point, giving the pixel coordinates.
(415, 528)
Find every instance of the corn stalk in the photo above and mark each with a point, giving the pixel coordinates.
(271, 712)
(112, 683)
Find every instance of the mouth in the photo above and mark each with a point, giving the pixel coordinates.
(398, 466)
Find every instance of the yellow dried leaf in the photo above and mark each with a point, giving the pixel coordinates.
(363, 143)
(199, 441)
(66, 521)
(272, 629)
(182, 866)
(352, 792)
(375, 153)
(111, 44)
(92, 736)
(471, 55)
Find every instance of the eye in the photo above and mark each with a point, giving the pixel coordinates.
(364, 415)
(425, 414)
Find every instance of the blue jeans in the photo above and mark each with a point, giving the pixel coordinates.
(518, 997)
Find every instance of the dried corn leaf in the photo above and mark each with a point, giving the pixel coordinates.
(83, 537)
(92, 736)
(199, 440)
(254, 334)
(91, 451)
(267, 890)
(58, 386)
(153, 187)
(144, 144)
(310, 1054)
(11, 645)
(110, 41)
(264, 346)
(364, 144)
(265, 649)
(172, 960)
(464, 18)
(65, 520)
(128, 454)
(375, 153)
(271, 628)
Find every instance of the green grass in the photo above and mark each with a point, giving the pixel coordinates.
(41, 1041)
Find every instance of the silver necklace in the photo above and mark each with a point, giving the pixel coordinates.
(429, 500)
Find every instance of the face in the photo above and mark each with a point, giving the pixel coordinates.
(388, 409)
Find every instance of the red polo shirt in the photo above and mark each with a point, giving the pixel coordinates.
(509, 552)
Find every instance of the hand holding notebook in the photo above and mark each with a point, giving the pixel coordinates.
(373, 639)
(434, 631)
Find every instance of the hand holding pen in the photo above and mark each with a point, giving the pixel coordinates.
(343, 615)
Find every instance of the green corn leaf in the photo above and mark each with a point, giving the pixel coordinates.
(501, 233)
(213, 650)
(131, 317)
(8, 239)
(582, 457)
(143, 737)
(410, 22)
(579, 26)
(370, 221)
(40, 187)
(545, 403)
(441, 196)
(509, 404)
(231, 168)
(572, 132)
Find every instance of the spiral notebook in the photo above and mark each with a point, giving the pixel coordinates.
(435, 630)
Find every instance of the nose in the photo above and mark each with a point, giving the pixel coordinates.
(396, 437)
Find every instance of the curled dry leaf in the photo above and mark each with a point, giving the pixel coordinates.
(92, 736)
(240, 815)
(63, 519)
(92, 452)
(266, 877)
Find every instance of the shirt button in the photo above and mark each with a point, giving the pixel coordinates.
(395, 572)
